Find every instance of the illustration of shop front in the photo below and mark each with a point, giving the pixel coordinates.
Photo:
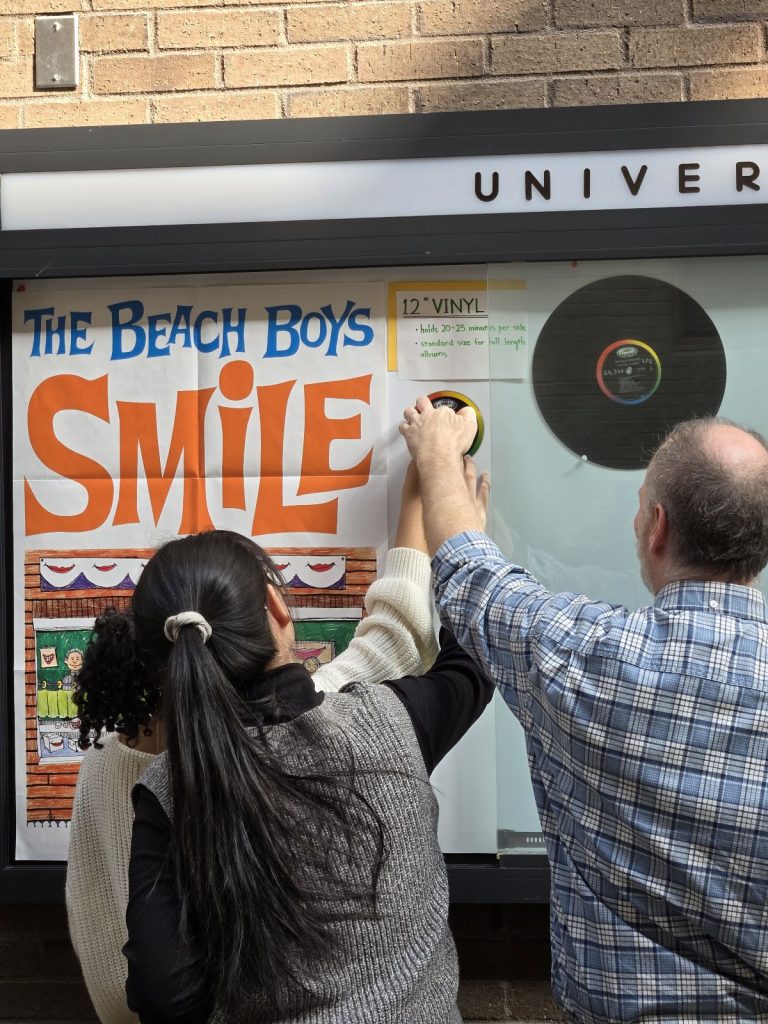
(66, 590)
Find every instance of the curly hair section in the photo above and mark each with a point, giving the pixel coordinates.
(717, 507)
(111, 694)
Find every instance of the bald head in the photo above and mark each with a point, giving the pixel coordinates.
(737, 450)
(711, 477)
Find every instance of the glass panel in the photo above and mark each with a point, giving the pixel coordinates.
(563, 360)
(617, 353)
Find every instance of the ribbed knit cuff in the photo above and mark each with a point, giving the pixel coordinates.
(405, 589)
(409, 564)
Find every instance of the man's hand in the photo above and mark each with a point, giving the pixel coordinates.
(437, 434)
(454, 499)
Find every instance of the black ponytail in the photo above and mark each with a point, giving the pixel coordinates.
(110, 693)
(262, 850)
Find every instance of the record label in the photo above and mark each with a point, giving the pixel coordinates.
(628, 372)
(620, 362)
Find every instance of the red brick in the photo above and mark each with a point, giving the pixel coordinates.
(346, 101)
(154, 74)
(299, 65)
(472, 17)
(691, 47)
(108, 33)
(250, 105)
(602, 13)
(729, 10)
(202, 30)
(499, 94)
(738, 84)
(334, 22)
(419, 59)
(80, 112)
(556, 52)
(600, 90)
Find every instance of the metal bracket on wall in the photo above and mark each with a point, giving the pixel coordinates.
(57, 64)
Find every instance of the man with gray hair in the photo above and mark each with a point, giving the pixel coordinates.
(709, 479)
(647, 731)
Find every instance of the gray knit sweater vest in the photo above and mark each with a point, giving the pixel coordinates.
(400, 966)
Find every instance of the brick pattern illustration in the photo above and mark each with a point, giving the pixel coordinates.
(330, 579)
(199, 60)
(51, 782)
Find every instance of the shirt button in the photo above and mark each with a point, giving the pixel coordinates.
(713, 603)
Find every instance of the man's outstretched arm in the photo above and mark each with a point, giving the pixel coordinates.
(497, 611)
(437, 440)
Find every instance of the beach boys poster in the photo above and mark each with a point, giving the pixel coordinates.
(145, 412)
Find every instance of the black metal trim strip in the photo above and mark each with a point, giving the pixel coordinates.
(520, 879)
(214, 248)
(9, 879)
(386, 137)
(527, 880)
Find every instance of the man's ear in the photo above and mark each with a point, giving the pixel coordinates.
(277, 607)
(658, 535)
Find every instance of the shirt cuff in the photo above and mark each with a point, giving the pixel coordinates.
(463, 548)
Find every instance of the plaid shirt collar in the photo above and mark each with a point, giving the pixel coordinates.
(724, 598)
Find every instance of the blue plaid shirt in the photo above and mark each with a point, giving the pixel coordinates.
(647, 738)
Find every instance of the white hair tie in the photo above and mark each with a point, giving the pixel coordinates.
(175, 623)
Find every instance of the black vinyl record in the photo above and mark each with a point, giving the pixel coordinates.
(622, 361)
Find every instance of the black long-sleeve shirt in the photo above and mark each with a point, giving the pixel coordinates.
(165, 972)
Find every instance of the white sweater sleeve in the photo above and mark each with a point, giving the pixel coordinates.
(397, 638)
(97, 873)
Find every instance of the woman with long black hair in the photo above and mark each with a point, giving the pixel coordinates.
(284, 864)
(121, 718)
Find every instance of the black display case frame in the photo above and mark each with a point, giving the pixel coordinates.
(481, 238)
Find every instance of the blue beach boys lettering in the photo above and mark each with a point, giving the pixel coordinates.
(289, 327)
(58, 335)
(134, 332)
(206, 331)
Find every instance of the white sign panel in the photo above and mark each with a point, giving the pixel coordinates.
(341, 190)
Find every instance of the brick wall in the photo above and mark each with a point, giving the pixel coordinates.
(182, 60)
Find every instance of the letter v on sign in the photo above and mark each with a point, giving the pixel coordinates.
(634, 184)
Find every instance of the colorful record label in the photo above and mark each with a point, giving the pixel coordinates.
(628, 372)
(455, 400)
